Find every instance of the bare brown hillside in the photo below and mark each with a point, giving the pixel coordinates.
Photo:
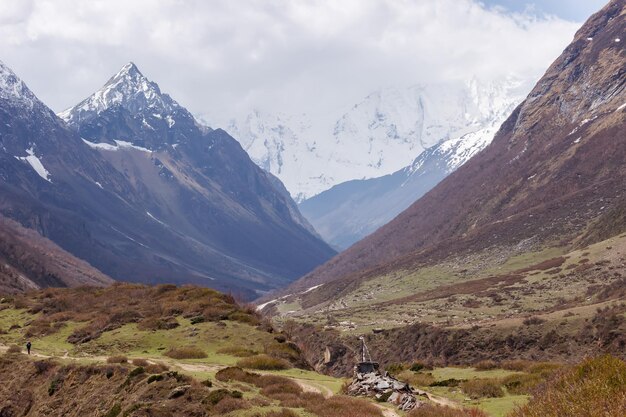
(553, 170)
(29, 261)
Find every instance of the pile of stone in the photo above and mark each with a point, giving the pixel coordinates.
(369, 382)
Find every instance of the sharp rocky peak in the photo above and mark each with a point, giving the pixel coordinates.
(128, 89)
(14, 90)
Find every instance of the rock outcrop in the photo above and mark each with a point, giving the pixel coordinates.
(368, 381)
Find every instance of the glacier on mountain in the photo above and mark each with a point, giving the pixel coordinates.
(381, 134)
(349, 211)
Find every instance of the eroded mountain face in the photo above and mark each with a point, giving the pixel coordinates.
(137, 188)
(555, 168)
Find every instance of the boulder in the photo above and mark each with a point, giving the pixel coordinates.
(384, 388)
(178, 391)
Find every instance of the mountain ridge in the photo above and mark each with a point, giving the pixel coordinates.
(167, 202)
(555, 164)
(349, 211)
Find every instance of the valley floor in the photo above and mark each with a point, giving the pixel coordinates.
(219, 341)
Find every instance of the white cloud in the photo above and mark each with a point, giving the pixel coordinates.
(224, 56)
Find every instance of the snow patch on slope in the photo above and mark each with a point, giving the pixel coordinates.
(119, 144)
(35, 163)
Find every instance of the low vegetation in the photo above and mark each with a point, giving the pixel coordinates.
(186, 352)
(440, 411)
(106, 309)
(263, 362)
(117, 359)
(182, 323)
(495, 385)
(597, 387)
(14, 349)
(237, 351)
(289, 394)
(482, 388)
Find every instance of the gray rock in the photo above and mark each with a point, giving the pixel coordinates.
(377, 385)
(178, 391)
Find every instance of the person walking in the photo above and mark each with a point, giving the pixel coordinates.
(28, 346)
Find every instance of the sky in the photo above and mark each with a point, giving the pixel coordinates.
(225, 57)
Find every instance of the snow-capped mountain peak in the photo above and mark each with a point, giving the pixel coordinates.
(128, 89)
(14, 90)
(379, 135)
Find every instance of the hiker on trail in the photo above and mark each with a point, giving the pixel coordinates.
(28, 345)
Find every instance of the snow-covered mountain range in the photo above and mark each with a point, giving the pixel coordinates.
(349, 211)
(381, 134)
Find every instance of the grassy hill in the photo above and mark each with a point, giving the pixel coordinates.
(126, 349)
(133, 350)
(557, 304)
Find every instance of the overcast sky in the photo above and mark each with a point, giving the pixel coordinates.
(223, 57)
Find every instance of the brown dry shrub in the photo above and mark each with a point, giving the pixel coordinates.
(284, 386)
(284, 412)
(43, 327)
(163, 288)
(105, 309)
(140, 362)
(267, 380)
(237, 374)
(343, 406)
(544, 369)
(186, 352)
(216, 313)
(545, 265)
(482, 388)
(264, 362)
(430, 410)
(518, 365)
(21, 302)
(117, 359)
(121, 317)
(156, 368)
(290, 400)
(239, 352)
(41, 367)
(230, 404)
(156, 323)
(522, 384)
(418, 379)
(287, 351)
(472, 303)
(14, 349)
(533, 321)
(485, 365)
(596, 387)
(244, 317)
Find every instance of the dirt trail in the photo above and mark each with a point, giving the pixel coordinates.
(438, 399)
(196, 367)
(306, 385)
(387, 412)
(443, 401)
